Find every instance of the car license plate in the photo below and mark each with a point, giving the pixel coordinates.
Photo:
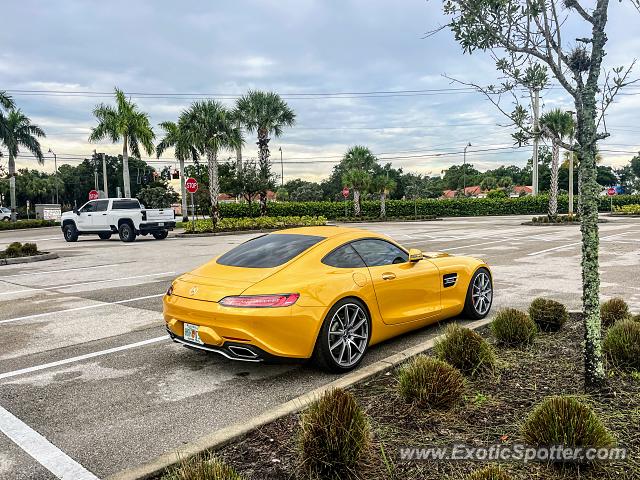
(161, 224)
(191, 333)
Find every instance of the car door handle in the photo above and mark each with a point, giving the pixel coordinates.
(388, 276)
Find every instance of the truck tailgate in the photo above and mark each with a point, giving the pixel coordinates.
(158, 215)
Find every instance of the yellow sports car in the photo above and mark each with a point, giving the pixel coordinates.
(326, 293)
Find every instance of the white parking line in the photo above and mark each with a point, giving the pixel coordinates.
(43, 451)
(79, 358)
(59, 237)
(561, 247)
(45, 272)
(86, 307)
(30, 289)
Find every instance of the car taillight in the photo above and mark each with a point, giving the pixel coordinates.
(258, 301)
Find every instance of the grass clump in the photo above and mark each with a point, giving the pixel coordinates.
(334, 436)
(614, 310)
(465, 349)
(636, 318)
(492, 472)
(17, 249)
(549, 315)
(202, 467)
(430, 383)
(566, 421)
(514, 328)
(622, 345)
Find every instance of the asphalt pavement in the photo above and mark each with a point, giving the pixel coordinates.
(91, 385)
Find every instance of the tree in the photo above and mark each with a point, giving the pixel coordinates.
(157, 196)
(383, 186)
(488, 183)
(556, 125)
(17, 132)
(210, 129)
(359, 181)
(6, 104)
(525, 38)
(177, 136)
(127, 124)
(266, 114)
(282, 194)
(247, 182)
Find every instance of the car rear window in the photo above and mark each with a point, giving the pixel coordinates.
(125, 205)
(269, 250)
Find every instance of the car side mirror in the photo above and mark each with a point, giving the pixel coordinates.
(415, 255)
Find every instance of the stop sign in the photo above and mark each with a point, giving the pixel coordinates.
(345, 192)
(94, 195)
(191, 185)
(611, 192)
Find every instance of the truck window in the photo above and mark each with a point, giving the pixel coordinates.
(102, 205)
(125, 205)
(89, 207)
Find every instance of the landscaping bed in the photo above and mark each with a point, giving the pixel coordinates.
(18, 252)
(492, 410)
(248, 224)
(21, 224)
(632, 210)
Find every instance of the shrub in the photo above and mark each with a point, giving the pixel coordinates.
(202, 468)
(29, 249)
(430, 383)
(636, 318)
(549, 315)
(633, 209)
(21, 224)
(13, 250)
(614, 310)
(513, 328)
(492, 472)
(258, 223)
(334, 435)
(465, 349)
(564, 420)
(622, 345)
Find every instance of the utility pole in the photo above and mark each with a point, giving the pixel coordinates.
(95, 170)
(464, 169)
(571, 157)
(104, 176)
(281, 168)
(55, 171)
(536, 116)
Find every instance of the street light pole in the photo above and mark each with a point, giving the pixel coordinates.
(464, 170)
(281, 168)
(55, 171)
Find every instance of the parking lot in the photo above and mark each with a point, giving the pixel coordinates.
(89, 378)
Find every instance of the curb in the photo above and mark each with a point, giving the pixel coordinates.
(34, 258)
(239, 430)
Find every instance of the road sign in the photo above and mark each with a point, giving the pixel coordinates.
(94, 195)
(612, 191)
(345, 192)
(191, 185)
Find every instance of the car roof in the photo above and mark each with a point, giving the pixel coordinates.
(330, 231)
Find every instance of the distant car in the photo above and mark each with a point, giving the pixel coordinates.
(5, 214)
(124, 216)
(325, 293)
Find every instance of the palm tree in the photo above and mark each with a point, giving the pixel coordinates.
(383, 185)
(18, 131)
(359, 157)
(359, 181)
(210, 128)
(177, 136)
(267, 114)
(127, 124)
(556, 125)
(6, 103)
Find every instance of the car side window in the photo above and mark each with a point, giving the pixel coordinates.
(379, 252)
(88, 207)
(102, 205)
(344, 257)
(126, 205)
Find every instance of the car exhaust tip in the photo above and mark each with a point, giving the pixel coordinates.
(242, 352)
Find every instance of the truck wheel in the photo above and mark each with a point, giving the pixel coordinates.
(70, 233)
(161, 234)
(104, 236)
(127, 233)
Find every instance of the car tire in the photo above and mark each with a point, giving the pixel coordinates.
(104, 236)
(479, 295)
(70, 233)
(333, 357)
(161, 234)
(127, 233)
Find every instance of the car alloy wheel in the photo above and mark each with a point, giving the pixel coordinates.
(482, 293)
(348, 335)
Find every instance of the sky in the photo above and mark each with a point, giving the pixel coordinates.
(160, 51)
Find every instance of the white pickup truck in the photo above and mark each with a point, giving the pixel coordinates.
(124, 216)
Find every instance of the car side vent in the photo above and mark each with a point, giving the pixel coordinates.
(449, 280)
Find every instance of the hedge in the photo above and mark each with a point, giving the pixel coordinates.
(27, 224)
(258, 223)
(454, 207)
